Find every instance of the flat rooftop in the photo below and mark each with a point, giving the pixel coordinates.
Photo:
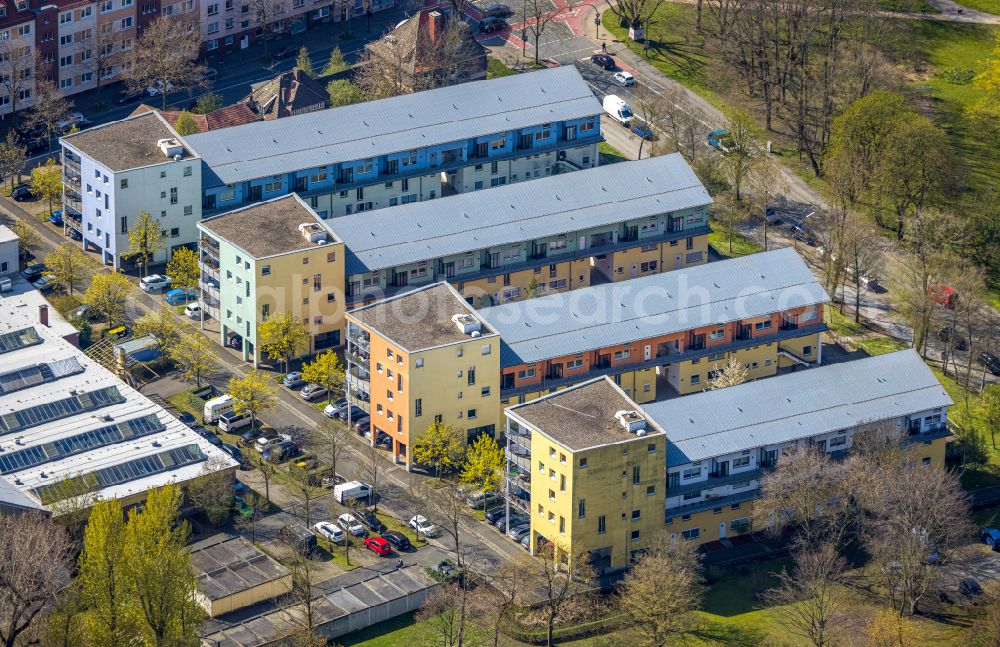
(7, 235)
(797, 405)
(522, 211)
(410, 121)
(230, 565)
(621, 313)
(421, 318)
(126, 144)
(267, 228)
(63, 415)
(583, 416)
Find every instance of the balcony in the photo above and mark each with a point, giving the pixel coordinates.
(210, 248)
(71, 169)
(72, 204)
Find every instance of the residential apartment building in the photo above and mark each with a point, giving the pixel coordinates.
(64, 416)
(112, 173)
(614, 222)
(424, 357)
(18, 27)
(673, 329)
(594, 480)
(719, 444)
(266, 259)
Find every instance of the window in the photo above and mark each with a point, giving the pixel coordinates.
(418, 406)
(581, 509)
(692, 473)
(471, 414)
(173, 195)
(648, 266)
(650, 490)
(762, 325)
(602, 526)
(695, 379)
(126, 23)
(526, 373)
(188, 210)
(175, 232)
(419, 362)
(562, 482)
(716, 335)
(574, 363)
(65, 17)
(837, 441)
(635, 535)
(622, 354)
(691, 533)
(635, 475)
(583, 462)
(807, 350)
(65, 61)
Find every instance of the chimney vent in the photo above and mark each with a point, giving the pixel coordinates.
(313, 232)
(632, 422)
(43, 314)
(170, 147)
(466, 323)
(435, 26)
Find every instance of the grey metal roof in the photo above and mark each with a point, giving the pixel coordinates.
(522, 211)
(364, 130)
(620, 313)
(796, 405)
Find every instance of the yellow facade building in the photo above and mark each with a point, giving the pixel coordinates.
(424, 357)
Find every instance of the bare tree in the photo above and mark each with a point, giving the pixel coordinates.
(303, 491)
(165, 57)
(35, 557)
(495, 602)
(681, 129)
(49, 109)
(651, 108)
(266, 469)
(806, 599)
(303, 598)
(766, 180)
(661, 591)
(537, 16)
(637, 13)
(373, 469)
(383, 71)
(563, 580)
(861, 249)
(445, 508)
(744, 151)
(264, 12)
(19, 63)
(446, 610)
(103, 52)
(252, 512)
(732, 373)
(329, 440)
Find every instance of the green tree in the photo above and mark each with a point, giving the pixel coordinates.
(212, 492)
(254, 393)
(182, 268)
(160, 572)
(989, 411)
(196, 356)
(46, 181)
(68, 265)
(484, 464)
(106, 588)
(336, 63)
(185, 124)
(29, 240)
(988, 81)
(343, 93)
(108, 295)
(208, 103)
(162, 325)
(441, 446)
(282, 337)
(326, 370)
(145, 238)
(304, 63)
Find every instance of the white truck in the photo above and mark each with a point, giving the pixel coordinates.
(216, 407)
(352, 490)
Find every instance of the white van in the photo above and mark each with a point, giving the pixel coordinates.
(351, 490)
(231, 421)
(618, 109)
(216, 407)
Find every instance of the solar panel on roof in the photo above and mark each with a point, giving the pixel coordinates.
(123, 473)
(14, 340)
(93, 439)
(30, 376)
(51, 411)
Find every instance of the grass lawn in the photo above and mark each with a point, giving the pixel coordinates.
(337, 552)
(610, 154)
(989, 6)
(495, 68)
(64, 303)
(741, 246)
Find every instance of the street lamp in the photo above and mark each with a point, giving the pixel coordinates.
(597, 23)
(368, 15)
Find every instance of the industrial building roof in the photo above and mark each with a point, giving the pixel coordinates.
(420, 319)
(230, 565)
(797, 405)
(361, 131)
(266, 228)
(126, 144)
(584, 416)
(621, 313)
(58, 421)
(523, 211)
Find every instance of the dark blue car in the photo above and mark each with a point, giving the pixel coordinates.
(56, 218)
(991, 537)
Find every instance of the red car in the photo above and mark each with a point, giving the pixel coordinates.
(378, 546)
(944, 295)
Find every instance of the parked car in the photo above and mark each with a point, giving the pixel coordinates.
(328, 531)
(284, 52)
(331, 410)
(156, 89)
(958, 342)
(349, 522)
(129, 97)
(519, 531)
(298, 537)
(496, 9)
(515, 520)
(969, 587)
(84, 312)
(193, 310)
(281, 451)
(369, 520)
(494, 515)
(720, 139)
(526, 541)
(34, 272)
(242, 507)
(22, 192)
(422, 526)
(313, 391)
(179, 296)
(45, 284)
(248, 438)
(209, 73)
(355, 411)
(235, 453)
(990, 361)
(603, 61)
(293, 380)
(944, 295)
(481, 499)
(378, 546)
(235, 342)
(56, 218)
(801, 233)
(624, 79)
(154, 282)
(72, 119)
(74, 235)
(991, 537)
(264, 442)
(188, 419)
(491, 24)
(362, 425)
(209, 436)
(397, 539)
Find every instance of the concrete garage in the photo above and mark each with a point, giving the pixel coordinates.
(349, 603)
(234, 575)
